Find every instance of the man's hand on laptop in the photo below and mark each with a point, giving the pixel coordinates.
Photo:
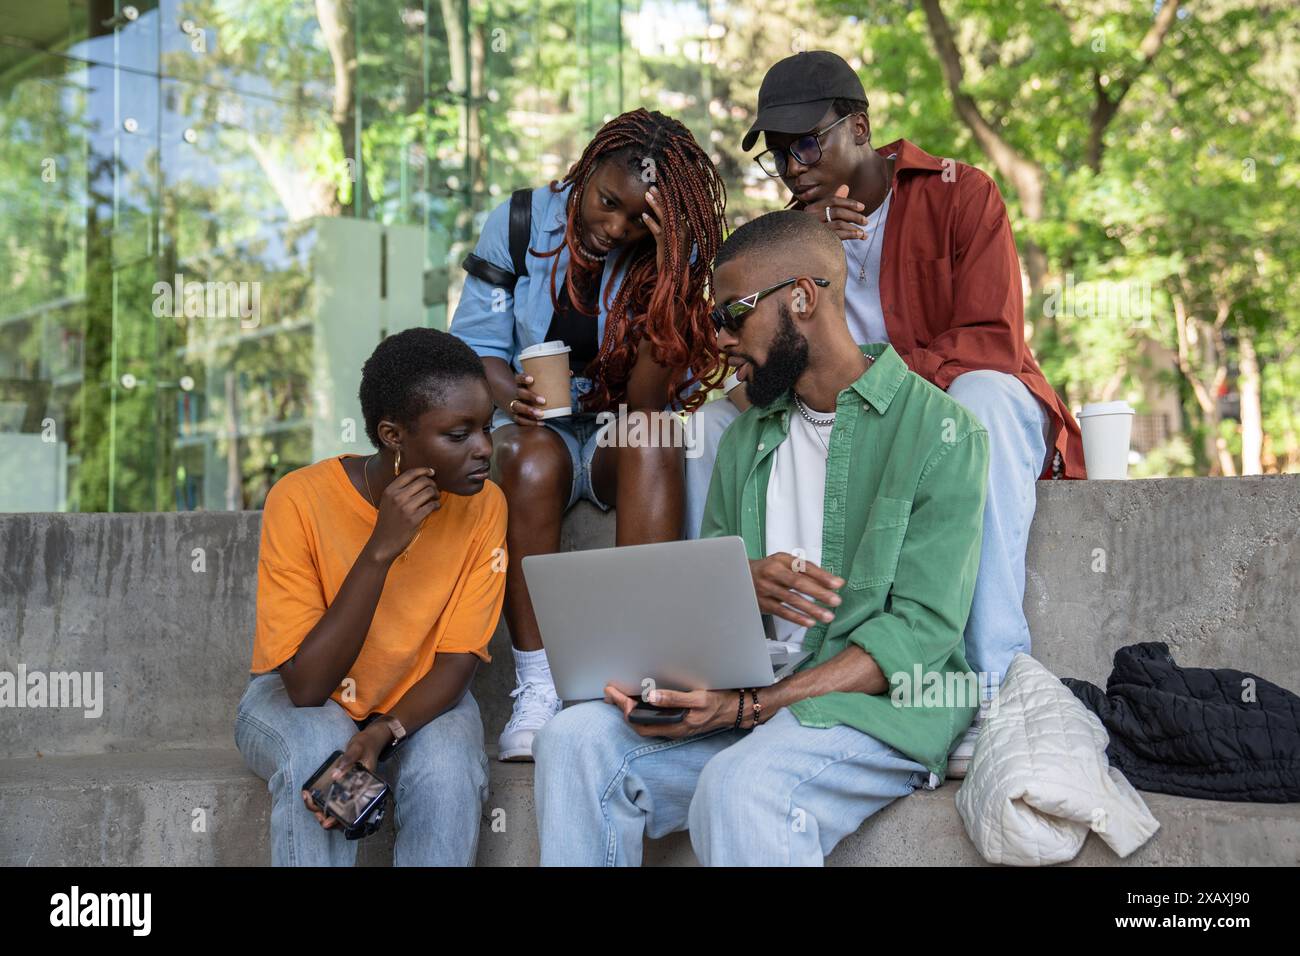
(795, 589)
(705, 710)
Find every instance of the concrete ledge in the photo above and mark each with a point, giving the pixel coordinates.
(138, 809)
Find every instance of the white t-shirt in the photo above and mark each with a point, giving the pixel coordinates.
(862, 284)
(796, 491)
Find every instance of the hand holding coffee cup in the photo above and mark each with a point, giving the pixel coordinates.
(527, 406)
(542, 388)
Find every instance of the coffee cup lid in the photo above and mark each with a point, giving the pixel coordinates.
(555, 347)
(730, 382)
(1106, 408)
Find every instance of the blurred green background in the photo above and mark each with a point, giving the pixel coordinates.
(313, 172)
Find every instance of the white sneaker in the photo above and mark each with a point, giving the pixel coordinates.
(959, 759)
(535, 704)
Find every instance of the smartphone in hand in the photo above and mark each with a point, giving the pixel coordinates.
(349, 799)
(647, 713)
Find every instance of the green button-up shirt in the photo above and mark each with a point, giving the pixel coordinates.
(903, 514)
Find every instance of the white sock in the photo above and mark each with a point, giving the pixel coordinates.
(532, 666)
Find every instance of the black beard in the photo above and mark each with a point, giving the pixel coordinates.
(787, 358)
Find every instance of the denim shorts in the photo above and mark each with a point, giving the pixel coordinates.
(580, 433)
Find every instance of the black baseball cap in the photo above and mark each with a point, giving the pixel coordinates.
(797, 92)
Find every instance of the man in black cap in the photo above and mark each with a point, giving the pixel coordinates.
(933, 271)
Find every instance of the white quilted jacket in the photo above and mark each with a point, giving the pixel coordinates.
(1040, 780)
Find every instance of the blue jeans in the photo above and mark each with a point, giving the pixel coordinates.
(779, 795)
(1019, 437)
(1020, 434)
(439, 778)
(580, 433)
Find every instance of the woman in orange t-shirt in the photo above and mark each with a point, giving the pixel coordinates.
(380, 582)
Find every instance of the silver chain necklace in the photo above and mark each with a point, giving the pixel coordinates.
(803, 410)
(819, 422)
(816, 423)
(871, 240)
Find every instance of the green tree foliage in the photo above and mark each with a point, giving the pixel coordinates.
(1147, 154)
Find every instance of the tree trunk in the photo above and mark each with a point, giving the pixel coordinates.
(456, 47)
(1024, 174)
(1216, 357)
(336, 22)
(1109, 96)
(477, 94)
(1191, 334)
(1252, 418)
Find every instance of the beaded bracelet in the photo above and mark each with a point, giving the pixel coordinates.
(758, 708)
(740, 707)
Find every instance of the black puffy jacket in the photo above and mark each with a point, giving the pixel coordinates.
(1212, 734)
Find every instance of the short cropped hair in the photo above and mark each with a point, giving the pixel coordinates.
(411, 372)
(846, 107)
(791, 236)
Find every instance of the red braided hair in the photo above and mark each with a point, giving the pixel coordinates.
(670, 310)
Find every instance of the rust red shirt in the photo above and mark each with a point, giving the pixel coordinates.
(950, 286)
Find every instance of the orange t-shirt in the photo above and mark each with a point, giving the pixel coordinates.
(444, 596)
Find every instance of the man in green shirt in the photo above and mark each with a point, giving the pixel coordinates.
(858, 489)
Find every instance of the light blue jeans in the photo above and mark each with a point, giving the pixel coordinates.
(779, 795)
(1019, 437)
(439, 779)
(580, 433)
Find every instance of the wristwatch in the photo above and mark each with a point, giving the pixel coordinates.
(397, 730)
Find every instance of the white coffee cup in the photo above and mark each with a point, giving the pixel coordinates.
(1106, 427)
(739, 398)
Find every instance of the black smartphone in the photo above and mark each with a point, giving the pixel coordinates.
(349, 799)
(647, 713)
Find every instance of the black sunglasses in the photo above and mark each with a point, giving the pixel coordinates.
(732, 316)
(807, 150)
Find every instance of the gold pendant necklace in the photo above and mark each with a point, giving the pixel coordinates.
(365, 469)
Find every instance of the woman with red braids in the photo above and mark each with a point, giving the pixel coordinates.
(616, 265)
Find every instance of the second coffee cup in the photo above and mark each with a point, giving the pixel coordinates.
(1107, 428)
(734, 389)
(548, 364)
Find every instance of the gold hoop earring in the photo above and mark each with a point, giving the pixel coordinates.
(397, 463)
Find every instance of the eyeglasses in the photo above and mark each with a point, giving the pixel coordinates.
(807, 150)
(732, 316)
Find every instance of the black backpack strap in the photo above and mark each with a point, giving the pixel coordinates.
(521, 226)
(490, 273)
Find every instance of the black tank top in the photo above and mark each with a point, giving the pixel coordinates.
(576, 330)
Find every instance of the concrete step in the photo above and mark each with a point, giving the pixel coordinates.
(135, 809)
(139, 808)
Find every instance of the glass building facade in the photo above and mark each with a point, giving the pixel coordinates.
(211, 211)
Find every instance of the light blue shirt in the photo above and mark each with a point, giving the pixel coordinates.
(862, 284)
(497, 322)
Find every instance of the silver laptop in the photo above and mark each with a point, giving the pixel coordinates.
(682, 614)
